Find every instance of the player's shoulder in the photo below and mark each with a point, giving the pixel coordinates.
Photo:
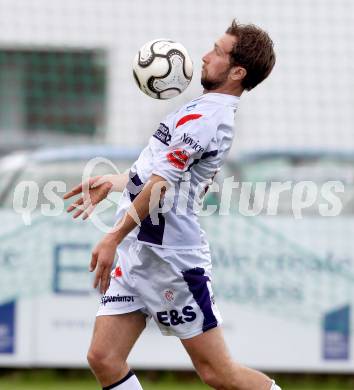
(202, 104)
(200, 111)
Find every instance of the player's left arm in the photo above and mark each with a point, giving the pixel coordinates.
(104, 253)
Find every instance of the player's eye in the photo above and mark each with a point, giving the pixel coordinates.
(217, 50)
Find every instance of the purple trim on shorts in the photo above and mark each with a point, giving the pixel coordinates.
(130, 373)
(197, 284)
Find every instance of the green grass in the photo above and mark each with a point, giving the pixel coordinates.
(58, 381)
(83, 380)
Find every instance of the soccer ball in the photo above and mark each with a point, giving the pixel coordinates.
(162, 68)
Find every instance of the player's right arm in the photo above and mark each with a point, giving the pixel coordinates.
(93, 191)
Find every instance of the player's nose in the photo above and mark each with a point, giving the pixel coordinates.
(205, 58)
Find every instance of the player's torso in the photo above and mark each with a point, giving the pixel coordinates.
(179, 227)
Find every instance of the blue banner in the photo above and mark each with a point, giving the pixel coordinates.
(7, 327)
(336, 340)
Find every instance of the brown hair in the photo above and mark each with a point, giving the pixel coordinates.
(253, 51)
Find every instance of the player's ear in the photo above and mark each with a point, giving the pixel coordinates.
(238, 73)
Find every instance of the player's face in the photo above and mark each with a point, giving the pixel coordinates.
(216, 63)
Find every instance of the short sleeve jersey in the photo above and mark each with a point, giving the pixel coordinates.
(187, 150)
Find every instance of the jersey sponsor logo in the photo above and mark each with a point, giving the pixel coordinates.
(187, 118)
(163, 134)
(174, 317)
(187, 139)
(178, 158)
(116, 298)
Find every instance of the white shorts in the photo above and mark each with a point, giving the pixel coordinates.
(172, 286)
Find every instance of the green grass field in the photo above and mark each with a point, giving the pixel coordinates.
(82, 380)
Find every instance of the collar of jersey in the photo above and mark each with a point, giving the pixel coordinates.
(222, 98)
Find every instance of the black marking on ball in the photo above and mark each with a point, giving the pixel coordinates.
(147, 62)
(169, 54)
(173, 52)
(169, 89)
(136, 79)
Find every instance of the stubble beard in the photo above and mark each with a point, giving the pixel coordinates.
(210, 85)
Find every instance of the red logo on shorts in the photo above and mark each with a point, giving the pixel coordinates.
(169, 295)
(178, 158)
(118, 272)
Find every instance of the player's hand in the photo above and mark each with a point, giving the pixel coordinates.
(92, 192)
(102, 260)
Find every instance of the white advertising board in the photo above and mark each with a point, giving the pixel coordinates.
(284, 288)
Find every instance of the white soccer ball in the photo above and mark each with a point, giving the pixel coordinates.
(162, 68)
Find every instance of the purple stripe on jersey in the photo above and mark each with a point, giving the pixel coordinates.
(136, 180)
(212, 153)
(197, 284)
(148, 231)
(205, 155)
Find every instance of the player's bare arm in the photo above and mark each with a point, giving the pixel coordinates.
(104, 252)
(93, 191)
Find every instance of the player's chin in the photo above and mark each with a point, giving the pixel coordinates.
(204, 81)
(207, 84)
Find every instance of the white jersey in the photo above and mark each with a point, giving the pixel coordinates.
(187, 150)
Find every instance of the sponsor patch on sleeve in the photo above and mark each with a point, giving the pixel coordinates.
(178, 158)
(163, 134)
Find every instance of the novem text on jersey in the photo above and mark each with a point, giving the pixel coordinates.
(187, 150)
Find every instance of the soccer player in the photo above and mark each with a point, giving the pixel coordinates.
(163, 266)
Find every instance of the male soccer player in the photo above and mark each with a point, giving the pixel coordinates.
(163, 266)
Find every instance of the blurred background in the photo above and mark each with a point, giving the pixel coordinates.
(284, 284)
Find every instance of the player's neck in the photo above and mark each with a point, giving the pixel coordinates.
(225, 90)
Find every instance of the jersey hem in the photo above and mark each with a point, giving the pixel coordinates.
(173, 246)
